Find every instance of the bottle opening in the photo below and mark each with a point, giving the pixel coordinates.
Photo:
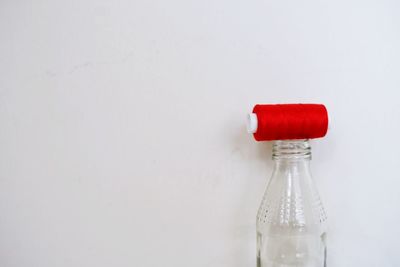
(291, 149)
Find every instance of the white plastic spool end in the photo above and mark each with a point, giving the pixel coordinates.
(252, 123)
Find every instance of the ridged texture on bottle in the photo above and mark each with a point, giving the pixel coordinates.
(290, 209)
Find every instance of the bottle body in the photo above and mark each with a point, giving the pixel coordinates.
(291, 222)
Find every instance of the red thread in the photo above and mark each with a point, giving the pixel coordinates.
(290, 121)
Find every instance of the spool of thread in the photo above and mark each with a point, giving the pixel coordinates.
(288, 121)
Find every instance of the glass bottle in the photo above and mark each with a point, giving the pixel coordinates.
(291, 222)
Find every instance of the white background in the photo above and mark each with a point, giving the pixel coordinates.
(122, 139)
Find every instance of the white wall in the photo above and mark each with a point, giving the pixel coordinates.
(122, 139)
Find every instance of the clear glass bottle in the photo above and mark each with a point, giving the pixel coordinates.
(291, 222)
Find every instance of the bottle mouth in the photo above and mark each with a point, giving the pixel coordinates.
(291, 149)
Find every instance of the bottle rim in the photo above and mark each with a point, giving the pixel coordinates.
(291, 149)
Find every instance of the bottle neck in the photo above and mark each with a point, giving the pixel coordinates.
(292, 158)
(291, 150)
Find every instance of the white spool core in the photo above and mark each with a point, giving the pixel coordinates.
(252, 123)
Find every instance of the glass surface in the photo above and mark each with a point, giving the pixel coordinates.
(291, 222)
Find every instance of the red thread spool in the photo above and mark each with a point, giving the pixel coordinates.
(289, 121)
